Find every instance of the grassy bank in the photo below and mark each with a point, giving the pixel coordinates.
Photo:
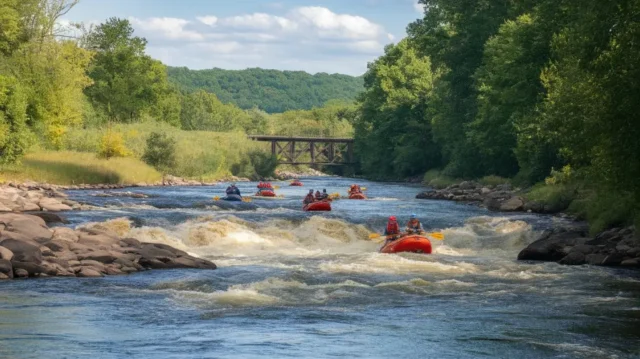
(67, 167)
(201, 155)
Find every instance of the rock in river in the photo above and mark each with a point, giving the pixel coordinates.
(28, 248)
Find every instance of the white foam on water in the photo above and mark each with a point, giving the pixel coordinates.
(396, 264)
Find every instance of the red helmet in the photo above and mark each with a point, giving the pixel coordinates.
(392, 218)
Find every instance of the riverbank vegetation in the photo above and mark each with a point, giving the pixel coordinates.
(520, 90)
(93, 91)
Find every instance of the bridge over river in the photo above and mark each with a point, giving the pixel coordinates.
(310, 150)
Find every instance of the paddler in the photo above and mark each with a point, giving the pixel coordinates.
(318, 195)
(392, 231)
(233, 190)
(414, 226)
(325, 195)
(309, 198)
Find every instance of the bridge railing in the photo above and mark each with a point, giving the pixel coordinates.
(321, 150)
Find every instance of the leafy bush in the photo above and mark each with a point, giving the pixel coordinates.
(436, 179)
(606, 208)
(112, 145)
(257, 165)
(160, 152)
(556, 198)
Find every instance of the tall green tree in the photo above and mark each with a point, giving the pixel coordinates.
(127, 83)
(393, 129)
(453, 34)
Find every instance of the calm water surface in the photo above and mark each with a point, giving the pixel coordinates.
(294, 284)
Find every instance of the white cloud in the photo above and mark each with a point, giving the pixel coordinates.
(313, 39)
(168, 27)
(259, 21)
(208, 20)
(328, 23)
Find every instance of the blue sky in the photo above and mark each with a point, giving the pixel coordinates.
(334, 36)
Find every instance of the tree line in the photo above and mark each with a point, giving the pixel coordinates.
(53, 80)
(272, 91)
(510, 88)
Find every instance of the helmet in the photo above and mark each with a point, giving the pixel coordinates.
(392, 218)
(310, 191)
(413, 216)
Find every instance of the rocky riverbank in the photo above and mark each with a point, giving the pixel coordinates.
(503, 198)
(23, 199)
(28, 248)
(308, 172)
(168, 181)
(572, 246)
(568, 244)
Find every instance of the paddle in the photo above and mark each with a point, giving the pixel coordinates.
(435, 235)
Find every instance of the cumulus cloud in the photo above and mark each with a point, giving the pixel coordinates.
(169, 27)
(310, 38)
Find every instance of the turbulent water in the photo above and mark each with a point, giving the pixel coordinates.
(296, 284)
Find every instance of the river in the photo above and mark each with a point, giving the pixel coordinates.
(296, 284)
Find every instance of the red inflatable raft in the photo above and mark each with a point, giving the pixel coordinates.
(410, 243)
(318, 206)
(357, 196)
(296, 184)
(266, 193)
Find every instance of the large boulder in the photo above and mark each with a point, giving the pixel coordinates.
(101, 256)
(23, 251)
(512, 204)
(86, 272)
(25, 227)
(573, 258)
(33, 269)
(65, 234)
(49, 217)
(554, 244)
(53, 205)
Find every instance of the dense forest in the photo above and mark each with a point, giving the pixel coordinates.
(272, 91)
(534, 90)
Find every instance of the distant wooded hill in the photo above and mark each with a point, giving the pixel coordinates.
(273, 91)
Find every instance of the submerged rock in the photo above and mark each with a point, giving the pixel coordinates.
(28, 248)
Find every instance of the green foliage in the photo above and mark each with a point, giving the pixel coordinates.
(555, 198)
(14, 134)
(203, 111)
(332, 120)
(112, 145)
(272, 91)
(160, 152)
(257, 165)
(127, 83)
(393, 128)
(201, 155)
(436, 179)
(606, 208)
